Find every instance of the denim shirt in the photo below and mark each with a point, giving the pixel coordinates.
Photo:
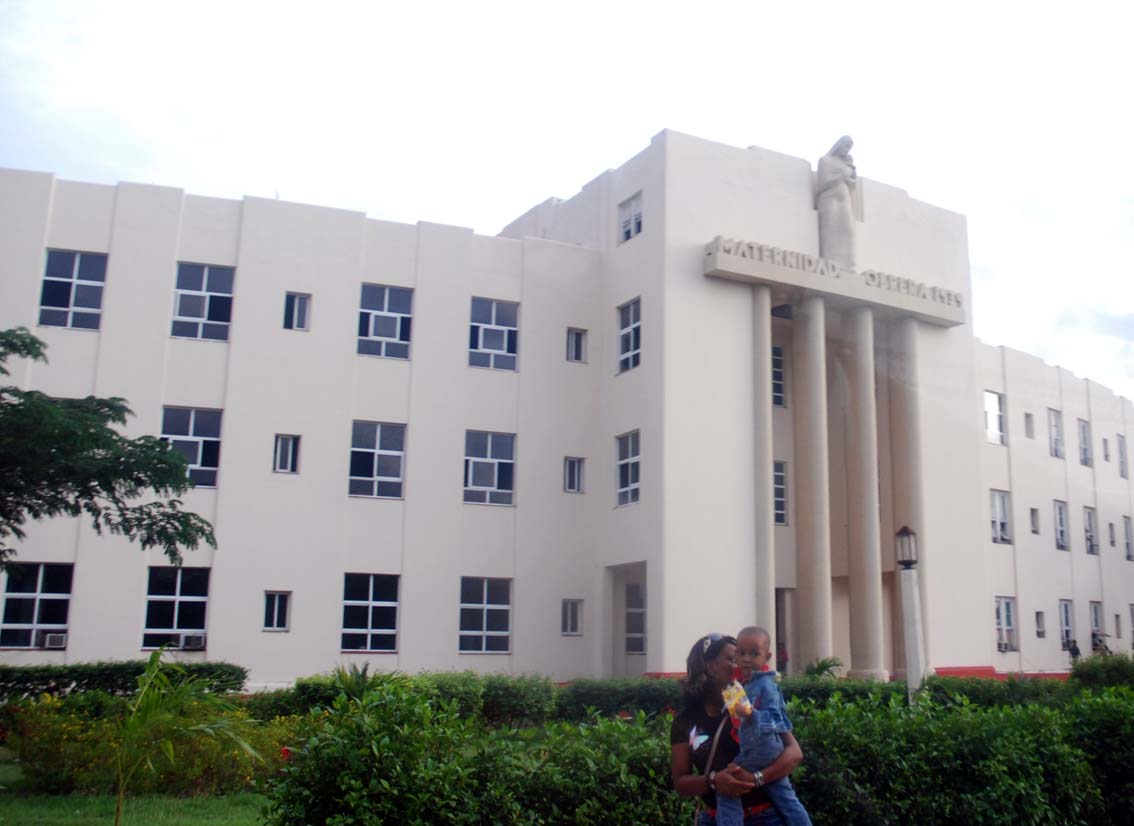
(769, 712)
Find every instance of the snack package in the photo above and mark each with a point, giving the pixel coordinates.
(736, 701)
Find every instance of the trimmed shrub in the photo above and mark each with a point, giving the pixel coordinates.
(464, 689)
(822, 690)
(576, 700)
(118, 678)
(1103, 726)
(987, 693)
(1104, 670)
(516, 700)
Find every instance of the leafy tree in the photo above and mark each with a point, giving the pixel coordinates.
(64, 457)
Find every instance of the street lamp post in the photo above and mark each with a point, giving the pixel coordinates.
(906, 554)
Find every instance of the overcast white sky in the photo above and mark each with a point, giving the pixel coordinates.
(1018, 115)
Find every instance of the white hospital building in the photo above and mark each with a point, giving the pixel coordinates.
(637, 415)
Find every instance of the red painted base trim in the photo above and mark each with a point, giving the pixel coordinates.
(989, 673)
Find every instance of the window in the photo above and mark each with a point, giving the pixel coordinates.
(779, 399)
(1128, 537)
(286, 454)
(493, 334)
(1055, 433)
(1105, 450)
(1033, 514)
(385, 316)
(37, 600)
(1061, 526)
(779, 492)
(275, 610)
(1090, 532)
(1096, 621)
(195, 434)
(1118, 626)
(571, 620)
(377, 459)
(1041, 629)
(1110, 530)
(175, 607)
(572, 474)
(635, 618)
(576, 344)
(72, 289)
(1029, 425)
(628, 470)
(1006, 624)
(202, 302)
(1066, 624)
(489, 467)
(1120, 446)
(1085, 442)
(994, 417)
(370, 612)
(295, 311)
(629, 335)
(630, 218)
(486, 615)
(1000, 505)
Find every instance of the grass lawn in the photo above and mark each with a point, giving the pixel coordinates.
(17, 809)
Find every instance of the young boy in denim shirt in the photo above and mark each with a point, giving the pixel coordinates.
(760, 741)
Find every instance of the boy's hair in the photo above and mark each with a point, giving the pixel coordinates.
(756, 630)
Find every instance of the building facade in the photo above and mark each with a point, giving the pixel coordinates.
(634, 416)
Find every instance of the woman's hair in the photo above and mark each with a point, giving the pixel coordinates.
(705, 650)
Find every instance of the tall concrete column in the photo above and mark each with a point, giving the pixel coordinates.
(865, 551)
(762, 458)
(812, 488)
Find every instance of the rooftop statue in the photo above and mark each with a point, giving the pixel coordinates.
(837, 182)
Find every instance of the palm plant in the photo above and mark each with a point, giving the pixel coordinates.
(824, 667)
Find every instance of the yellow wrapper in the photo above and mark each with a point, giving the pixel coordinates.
(736, 701)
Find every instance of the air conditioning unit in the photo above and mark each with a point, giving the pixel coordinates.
(53, 639)
(1001, 646)
(1041, 634)
(192, 642)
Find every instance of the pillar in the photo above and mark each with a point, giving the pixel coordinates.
(762, 459)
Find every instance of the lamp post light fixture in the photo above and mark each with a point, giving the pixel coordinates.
(905, 551)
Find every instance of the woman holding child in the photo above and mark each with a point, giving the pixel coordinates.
(703, 721)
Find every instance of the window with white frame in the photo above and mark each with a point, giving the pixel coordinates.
(276, 606)
(1085, 443)
(1110, 533)
(572, 474)
(1000, 512)
(779, 397)
(286, 457)
(194, 432)
(494, 334)
(486, 615)
(370, 612)
(1118, 626)
(635, 618)
(490, 461)
(779, 492)
(37, 601)
(994, 417)
(1096, 621)
(385, 318)
(1055, 433)
(1029, 425)
(176, 599)
(297, 307)
(629, 335)
(1041, 625)
(1060, 511)
(1105, 449)
(1128, 537)
(72, 289)
(1120, 447)
(576, 344)
(377, 459)
(628, 467)
(202, 302)
(1033, 515)
(1090, 530)
(1006, 624)
(1066, 623)
(630, 218)
(571, 618)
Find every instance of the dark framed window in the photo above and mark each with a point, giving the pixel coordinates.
(385, 319)
(297, 308)
(490, 460)
(276, 607)
(629, 335)
(202, 302)
(72, 289)
(195, 434)
(377, 459)
(176, 599)
(486, 615)
(494, 334)
(37, 601)
(370, 612)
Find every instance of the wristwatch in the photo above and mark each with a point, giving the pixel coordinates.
(759, 775)
(712, 778)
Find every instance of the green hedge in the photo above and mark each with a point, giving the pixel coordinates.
(611, 696)
(1103, 671)
(118, 678)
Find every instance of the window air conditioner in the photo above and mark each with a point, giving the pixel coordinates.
(52, 639)
(1041, 634)
(192, 642)
(1001, 646)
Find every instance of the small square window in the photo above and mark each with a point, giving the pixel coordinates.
(630, 218)
(1041, 626)
(572, 474)
(571, 619)
(370, 612)
(576, 344)
(276, 607)
(195, 434)
(287, 454)
(377, 460)
(1029, 425)
(296, 310)
(1034, 515)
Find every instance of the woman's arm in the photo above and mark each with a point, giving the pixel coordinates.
(687, 784)
(782, 766)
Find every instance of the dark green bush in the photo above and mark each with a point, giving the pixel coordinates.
(516, 700)
(119, 678)
(1104, 670)
(1013, 691)
(1103, 726)
(611, 696)
(465, 689)
(821, 690)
